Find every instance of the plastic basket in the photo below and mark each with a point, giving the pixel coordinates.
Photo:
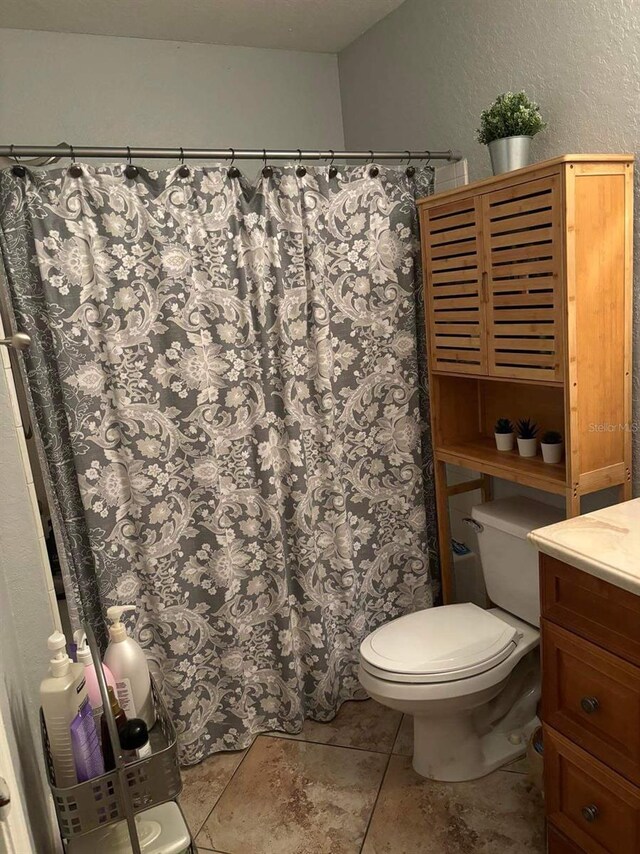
(102, 801)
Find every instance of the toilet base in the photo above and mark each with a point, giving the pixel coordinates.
(472, 742)
(449, 750)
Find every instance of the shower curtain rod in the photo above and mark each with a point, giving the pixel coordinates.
(129, 152)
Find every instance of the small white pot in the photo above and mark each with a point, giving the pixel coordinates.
(552, 453)
(527, 447)
(504, 441)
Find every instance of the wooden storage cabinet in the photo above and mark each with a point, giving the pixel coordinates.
(521, 229)
(590, 711)
(528, 279)
(456, 296)
(494, 285)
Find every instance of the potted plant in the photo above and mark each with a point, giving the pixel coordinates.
(503, 431)
(527, 432)
(551, 444)
(507, 128)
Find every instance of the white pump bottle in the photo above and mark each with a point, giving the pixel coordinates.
(128, 663)
(62, 695)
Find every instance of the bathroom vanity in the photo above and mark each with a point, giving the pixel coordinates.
(590, 606)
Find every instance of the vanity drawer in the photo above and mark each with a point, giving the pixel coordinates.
(592, 697)
(559, 844)
(587, 802)
(590, 607)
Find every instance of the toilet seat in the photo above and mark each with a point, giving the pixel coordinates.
(438, 645)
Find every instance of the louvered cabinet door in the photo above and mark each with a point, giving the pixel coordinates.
(454, 305)
(523, 262)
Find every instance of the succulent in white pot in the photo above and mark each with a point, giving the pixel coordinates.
(552, 445)
(527, 441)
(504, 434)
(507, 128)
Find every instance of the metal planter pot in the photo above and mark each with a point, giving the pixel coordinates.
(509, 153)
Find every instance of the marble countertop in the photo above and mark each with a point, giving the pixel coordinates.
(605, 543)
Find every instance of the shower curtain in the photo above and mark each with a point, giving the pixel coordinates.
(225, 384)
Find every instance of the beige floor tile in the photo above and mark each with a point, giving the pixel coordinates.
(359, 723)
(404, 740)
(203, 784)
(294, 797)
(499, 814)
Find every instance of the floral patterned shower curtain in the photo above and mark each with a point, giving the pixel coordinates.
(224, 378)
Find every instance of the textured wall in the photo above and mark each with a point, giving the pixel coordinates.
(122, 91)
(421, 76)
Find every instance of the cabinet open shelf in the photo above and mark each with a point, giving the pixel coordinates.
(481, 455)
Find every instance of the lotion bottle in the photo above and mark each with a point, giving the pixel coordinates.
(84, 657)
(62, 696)
(128, 663)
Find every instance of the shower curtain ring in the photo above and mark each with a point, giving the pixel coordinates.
(267, 171)
(373, 170)
(18, 171)
(74, 170)
(130, 171)
(183, 171)
(233, 171)
(410, 171)
(333, 170)
(300, 169)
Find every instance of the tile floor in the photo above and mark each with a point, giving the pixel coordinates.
(347, 787)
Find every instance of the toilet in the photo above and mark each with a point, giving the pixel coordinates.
(470, 677)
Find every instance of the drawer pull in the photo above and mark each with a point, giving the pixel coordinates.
(589, 705)
(590, 813)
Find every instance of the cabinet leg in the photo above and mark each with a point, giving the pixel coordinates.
(487, 487)
(444, 531)
(625, 491)
(572, 504)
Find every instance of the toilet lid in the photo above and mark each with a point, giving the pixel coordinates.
(439, 644)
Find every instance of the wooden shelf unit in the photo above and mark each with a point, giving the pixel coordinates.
(528, 288)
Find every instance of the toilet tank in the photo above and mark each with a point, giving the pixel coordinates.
(509, 560)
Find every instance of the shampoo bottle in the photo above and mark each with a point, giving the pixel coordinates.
(63, 695)
(128, 663)
(83, 656)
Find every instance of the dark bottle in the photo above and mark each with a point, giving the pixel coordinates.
(134, 740)
(121, 720)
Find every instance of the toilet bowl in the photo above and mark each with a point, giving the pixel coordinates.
(469, 677)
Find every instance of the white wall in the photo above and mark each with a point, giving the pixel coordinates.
(89, 90)
(28, 615)
(421, 77)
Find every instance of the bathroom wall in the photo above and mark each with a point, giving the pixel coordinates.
(29, 615)
(88, 90)
(421, 76)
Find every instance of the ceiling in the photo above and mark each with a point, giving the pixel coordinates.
(311, 25)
